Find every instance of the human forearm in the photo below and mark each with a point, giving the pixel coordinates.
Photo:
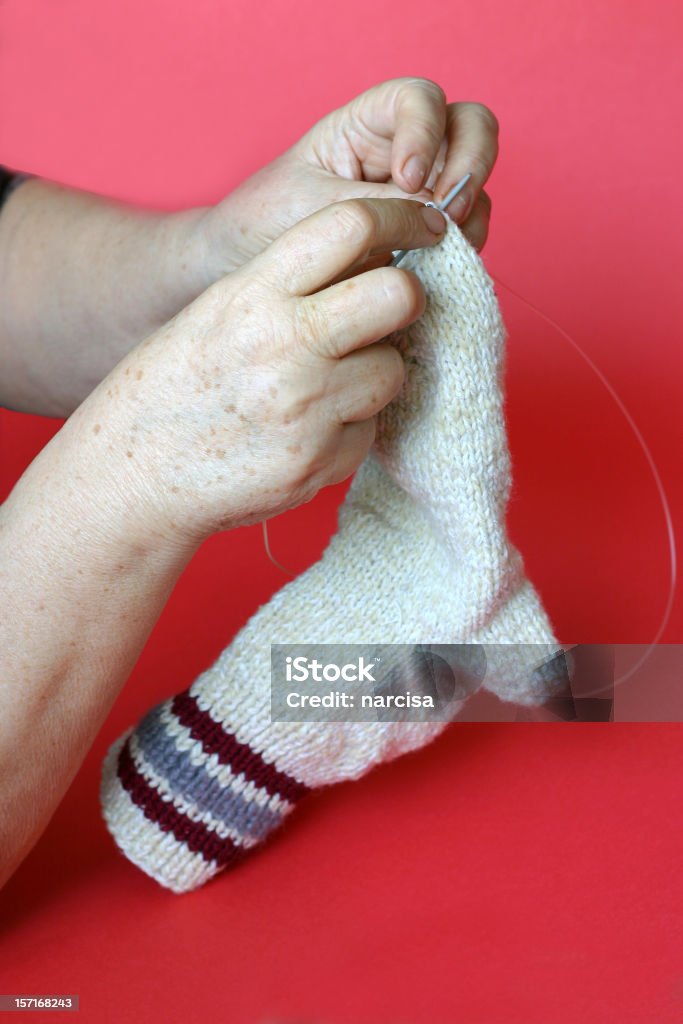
(81, 585)
(82, 280)
(75, 267)
(258, 394)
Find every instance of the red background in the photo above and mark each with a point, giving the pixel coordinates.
(510, 873)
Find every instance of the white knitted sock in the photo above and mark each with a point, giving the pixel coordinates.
(420, 556)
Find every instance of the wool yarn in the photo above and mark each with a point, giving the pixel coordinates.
(421, 555)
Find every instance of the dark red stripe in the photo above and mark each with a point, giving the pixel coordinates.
(198, 837)
(239, 756)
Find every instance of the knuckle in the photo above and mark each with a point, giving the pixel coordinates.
(310, 326)
(479, 162)
(486, 115)
(299, 398)
(303, 461)
(307, 470)
(403, 291)
(426, 85)
(301, 260)
(244, 303)
(356, 222)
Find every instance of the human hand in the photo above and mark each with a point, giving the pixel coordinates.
(400, 139)
(264, 389)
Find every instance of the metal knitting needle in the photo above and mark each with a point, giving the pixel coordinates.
(443, 206)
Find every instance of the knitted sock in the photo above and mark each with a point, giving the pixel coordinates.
(420, 555)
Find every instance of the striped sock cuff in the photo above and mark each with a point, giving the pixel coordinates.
(184, 798)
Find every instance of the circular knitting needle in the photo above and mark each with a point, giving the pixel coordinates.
(443, 206)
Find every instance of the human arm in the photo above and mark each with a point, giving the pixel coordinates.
(83, 279)
(249, 401)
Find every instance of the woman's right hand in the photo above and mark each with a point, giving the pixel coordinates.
(265, 388)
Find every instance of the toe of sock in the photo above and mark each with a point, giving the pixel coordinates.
(525, 664)
(152, 848)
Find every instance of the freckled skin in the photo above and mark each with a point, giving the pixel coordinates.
(259, 373)
(230, 414)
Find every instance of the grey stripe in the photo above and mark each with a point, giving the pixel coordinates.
(193, 783)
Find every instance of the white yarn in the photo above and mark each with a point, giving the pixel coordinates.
(421, 554)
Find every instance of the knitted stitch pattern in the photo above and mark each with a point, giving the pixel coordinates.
(420, 556)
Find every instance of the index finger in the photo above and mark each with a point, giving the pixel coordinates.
(323, 247)
(472, 145)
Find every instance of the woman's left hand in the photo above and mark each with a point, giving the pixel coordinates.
(400, 139)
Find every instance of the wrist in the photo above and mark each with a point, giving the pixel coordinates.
(88, 499)
(255, 213)
(190, 261)
(222, 239)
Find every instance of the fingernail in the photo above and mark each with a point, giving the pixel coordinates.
(414, 171)
(460, 207)
(434, 219)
